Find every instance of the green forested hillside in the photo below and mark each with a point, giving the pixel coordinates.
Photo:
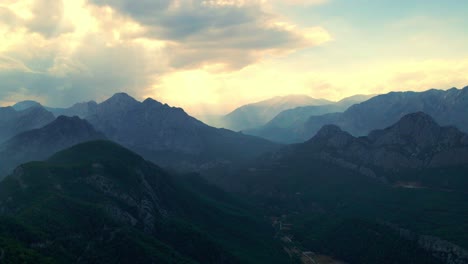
(356, 218)
(100, 203)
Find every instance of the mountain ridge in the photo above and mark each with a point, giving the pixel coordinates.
(415, 141)
(170, 137)
(446, 107)
(13, 122)
(38, 144)
(283, 127)
(256, 114)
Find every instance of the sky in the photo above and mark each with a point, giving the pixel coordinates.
(210, 56)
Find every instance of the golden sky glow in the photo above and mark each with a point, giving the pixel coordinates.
(212, 56)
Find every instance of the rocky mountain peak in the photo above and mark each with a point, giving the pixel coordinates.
(120, 100)
(416, 128)
(332, 136)
(418, 118)
(151, 102)
(74, 123)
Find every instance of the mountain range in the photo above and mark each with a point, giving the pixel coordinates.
(340, 194)
(259, 113)
(79, 109)
(396, 194)
(282, 127)
(446, 107)
(163, 134)
(170, 137)
(416, 144)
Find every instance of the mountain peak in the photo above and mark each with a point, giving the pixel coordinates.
(68, 119)
(94, 150)
(23, 105)
(71, 125)
(418, 122)
(328, 131)
(417, 117)
(417, 128)
(331, 136)
(121, 99)
(151, 101)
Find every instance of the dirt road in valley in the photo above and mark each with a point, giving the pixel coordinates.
(294, 249)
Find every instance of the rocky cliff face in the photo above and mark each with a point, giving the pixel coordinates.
(443, 250)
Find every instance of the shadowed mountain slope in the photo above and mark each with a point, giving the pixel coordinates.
(39, 144)
(13, 122)
(170, 137)
(97, 202)
(396, 196)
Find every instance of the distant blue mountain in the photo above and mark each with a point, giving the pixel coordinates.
(283, 127)
(38, 144)
(14, 121)
(257, 114)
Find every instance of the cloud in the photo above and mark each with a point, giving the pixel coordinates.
(233, 33)
(45, 17)
(94, 71)
(63, 51)
(48, 18)
(61, 68)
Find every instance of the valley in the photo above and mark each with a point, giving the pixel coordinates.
(293, 248)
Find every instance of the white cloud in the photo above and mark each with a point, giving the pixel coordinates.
(75, 50)
(234, 33)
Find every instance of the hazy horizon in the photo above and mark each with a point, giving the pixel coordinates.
(212, 56)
